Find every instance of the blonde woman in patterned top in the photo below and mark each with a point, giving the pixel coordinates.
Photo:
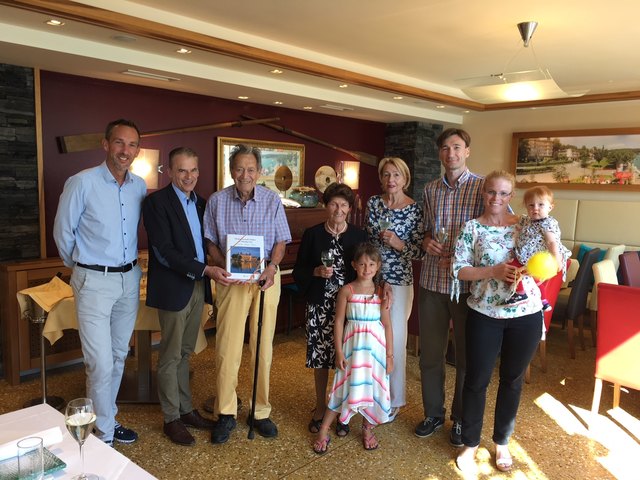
(394, 225)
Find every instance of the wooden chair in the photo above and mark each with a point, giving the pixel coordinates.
(577, 305)
(630, 269)
(618, 345)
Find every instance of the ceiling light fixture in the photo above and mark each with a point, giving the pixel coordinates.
(55, 23)
(276, 71)
(307, 107)
(518, 86)
(440, 106)
(124, 38)
(277, 102)
(243, 97)
(398, 97)
(149, 75)
(183, 50)
(340, 108)
(343, 85)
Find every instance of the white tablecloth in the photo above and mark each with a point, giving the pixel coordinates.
(99, 458)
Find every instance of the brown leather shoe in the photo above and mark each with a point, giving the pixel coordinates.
(195, 420)
(178, 433)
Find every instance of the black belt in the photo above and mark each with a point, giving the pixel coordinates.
(101, 268)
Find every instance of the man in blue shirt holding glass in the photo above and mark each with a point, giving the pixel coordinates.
(96, 232)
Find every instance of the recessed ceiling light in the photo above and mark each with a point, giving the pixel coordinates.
(398, 97)
(308, 107)
(440, 106)
(243, 97)
(276, 71)
(183, 50)
(55, 23)
(344, 85)
(467, 111)
(277, 102)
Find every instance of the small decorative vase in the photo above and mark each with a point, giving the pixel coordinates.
(306, 196)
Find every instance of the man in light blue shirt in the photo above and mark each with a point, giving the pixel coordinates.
(96, 232)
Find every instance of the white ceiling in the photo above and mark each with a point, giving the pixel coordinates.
(587, 46)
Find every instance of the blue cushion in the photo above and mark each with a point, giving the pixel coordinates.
(585, 248)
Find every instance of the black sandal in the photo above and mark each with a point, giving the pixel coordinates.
(314, 425)
(342, 429)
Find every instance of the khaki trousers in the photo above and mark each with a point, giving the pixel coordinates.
(235, 303)
(179, 334)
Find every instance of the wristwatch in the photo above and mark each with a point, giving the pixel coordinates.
(274, 264)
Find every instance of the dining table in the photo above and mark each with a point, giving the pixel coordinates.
(138, 384)
(99, 458)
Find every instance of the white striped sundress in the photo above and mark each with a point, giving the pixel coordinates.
(364, 386)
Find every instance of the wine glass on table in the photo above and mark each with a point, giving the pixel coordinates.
(326, 257)
(79, 417)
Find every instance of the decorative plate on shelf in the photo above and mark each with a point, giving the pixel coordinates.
(325, 176)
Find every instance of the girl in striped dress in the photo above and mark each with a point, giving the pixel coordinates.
(364, 353)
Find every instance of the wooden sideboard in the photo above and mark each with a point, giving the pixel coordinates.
(20, 338)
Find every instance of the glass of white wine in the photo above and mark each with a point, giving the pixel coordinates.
(79, 417)
(326, 257)
(441, 235)
(385, 221)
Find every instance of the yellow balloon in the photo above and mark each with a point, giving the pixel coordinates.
(542, 266)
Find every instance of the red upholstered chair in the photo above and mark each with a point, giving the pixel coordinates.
(550, 293)
(603, 272)
(630, 269)
(618, 342)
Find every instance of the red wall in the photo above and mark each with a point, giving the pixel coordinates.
(75, 105)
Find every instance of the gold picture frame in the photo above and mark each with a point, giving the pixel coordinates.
(274, 154)
(596, 159)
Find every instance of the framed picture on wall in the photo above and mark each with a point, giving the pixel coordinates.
(602, 159)
(274, 155)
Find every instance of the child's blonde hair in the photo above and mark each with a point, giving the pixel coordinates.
(540, 191)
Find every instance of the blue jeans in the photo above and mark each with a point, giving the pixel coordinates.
(514, 340)
(106, 307)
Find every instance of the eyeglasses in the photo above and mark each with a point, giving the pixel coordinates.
(493, 193)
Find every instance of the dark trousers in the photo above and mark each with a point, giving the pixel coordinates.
(515, 341)
(436, 312)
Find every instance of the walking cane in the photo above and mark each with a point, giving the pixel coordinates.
(255, 370)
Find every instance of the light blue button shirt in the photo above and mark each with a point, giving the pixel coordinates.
(97, 219)
(190, 210)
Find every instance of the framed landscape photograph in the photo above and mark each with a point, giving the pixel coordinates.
(602, 159)
(274, 155)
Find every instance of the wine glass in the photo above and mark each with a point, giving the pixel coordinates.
(326, 257)
(441, 235)
(79, 417)
(385, 221)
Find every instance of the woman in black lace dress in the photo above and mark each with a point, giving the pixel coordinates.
(319, 285)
